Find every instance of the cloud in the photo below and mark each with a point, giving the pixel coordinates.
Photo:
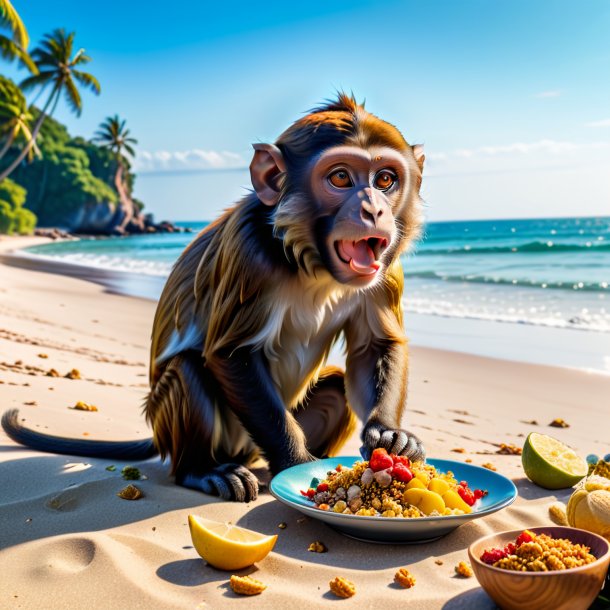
(520, 156)
(553, 147)
(543, 94)
(602, 123)
(188, 160)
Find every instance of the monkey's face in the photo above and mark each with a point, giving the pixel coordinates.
(361, 194)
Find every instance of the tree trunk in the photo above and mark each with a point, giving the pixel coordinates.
(129, 214)
(8, 143)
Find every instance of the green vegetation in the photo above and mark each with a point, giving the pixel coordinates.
(14, 218)
(57, 68)
(15, 118)
(16, 46)
(72, 184)
(63, 181)
(113, 136)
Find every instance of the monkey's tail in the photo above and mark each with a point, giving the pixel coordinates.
(119, 450)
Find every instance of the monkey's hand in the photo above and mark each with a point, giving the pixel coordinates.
(394, 440)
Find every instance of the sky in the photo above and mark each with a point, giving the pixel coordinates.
(511, 99)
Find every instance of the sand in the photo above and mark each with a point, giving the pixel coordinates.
(67, 540)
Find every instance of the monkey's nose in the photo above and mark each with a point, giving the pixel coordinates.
(370, 211)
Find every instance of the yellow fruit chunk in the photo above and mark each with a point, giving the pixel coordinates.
(550, 463)
(427, 501)
(226, 546)
(423, 476)
(452, 500)
(439, 486)
(415, 483)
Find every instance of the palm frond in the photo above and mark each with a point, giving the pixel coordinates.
(11, 50)
(87, 80)
(10, 17)
(129, 149)
(72, 97)
(80, 58)
(8, 112)
(112, 134)
(43, 58)
(42, 78)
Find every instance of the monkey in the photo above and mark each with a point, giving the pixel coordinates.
(254, 304)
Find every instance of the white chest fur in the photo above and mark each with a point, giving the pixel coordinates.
(299, 333)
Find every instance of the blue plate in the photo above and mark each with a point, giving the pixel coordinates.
(286, 488)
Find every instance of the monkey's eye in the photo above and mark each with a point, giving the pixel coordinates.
(384, 180)
(340, 179)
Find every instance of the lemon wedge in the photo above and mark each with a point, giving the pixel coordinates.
(226, 546)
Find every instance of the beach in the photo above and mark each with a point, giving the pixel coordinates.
(67, 540)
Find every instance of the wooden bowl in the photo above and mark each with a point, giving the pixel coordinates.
(572, 589)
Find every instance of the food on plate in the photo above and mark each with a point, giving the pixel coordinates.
(538, 553)
(389, 486)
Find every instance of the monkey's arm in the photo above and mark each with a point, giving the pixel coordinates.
(376, 372)
(249, 391)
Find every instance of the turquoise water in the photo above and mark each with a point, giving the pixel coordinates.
(547, 272)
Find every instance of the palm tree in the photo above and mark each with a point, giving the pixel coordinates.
(57, 68)
(15, 47)
(113, 136)
(15, 119)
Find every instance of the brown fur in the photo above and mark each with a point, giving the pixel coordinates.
(227, 294)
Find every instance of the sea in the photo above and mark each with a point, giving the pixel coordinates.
(527, 274)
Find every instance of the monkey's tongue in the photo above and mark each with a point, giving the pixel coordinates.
(360, 255)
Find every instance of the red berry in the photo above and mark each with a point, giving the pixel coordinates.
(510, 549)
(466, 495)
(492, 555)
(402, 473)
(463, 484)
(310, 493)
(401, 459)
(322, 487)
(526, 536)
(479, 493)
(380, 460)
(338, 468)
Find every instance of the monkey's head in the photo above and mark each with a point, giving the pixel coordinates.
(344, 186)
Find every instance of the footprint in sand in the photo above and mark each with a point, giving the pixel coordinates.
(67, 556)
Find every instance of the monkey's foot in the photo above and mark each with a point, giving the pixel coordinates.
(396, 441)
(228, 481)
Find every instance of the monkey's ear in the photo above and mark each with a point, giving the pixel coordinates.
(265, 170)
(418, 153)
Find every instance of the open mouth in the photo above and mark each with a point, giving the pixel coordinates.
(362, 255)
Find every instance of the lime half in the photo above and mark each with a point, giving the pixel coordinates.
(550, 463)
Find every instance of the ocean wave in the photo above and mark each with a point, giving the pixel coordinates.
(547, 247)
(448, 309)
(112, 263)
(503, 281)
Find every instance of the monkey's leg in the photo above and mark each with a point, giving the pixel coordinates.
(326, 418)
(207, 451)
